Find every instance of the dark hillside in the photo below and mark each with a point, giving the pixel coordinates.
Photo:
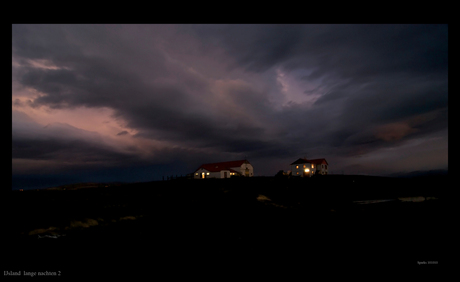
(264, 217)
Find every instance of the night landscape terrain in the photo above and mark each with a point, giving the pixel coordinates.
(110, 123)
(184, 223)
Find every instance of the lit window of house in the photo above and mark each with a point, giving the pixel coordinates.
(296, 166)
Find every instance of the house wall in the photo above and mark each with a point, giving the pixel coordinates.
(299, 170)
(211, 174)
(222, 173)
(242, 169)
(199, 171)
(322, 169)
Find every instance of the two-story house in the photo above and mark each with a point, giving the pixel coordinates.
(307, 168)
(224, 170)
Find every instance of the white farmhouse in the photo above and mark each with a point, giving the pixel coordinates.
(306, 168)
(224, 170)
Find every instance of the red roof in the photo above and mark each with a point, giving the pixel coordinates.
(216, 167)
(319, 161)
(300, 161)
(314, 161)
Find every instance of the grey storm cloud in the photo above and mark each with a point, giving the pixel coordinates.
(163, 110)
(162, 80)
(354, 51)
(59, 141)
(124, 132)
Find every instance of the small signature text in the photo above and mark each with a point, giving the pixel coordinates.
(31, 273)
(427, 262)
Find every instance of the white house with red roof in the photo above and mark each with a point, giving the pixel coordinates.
(306, 168)
(224, 170)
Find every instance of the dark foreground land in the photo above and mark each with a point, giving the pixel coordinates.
(195, 227)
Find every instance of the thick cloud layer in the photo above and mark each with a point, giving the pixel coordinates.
(271, 93)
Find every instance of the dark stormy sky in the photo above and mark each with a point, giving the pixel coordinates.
(135, 102)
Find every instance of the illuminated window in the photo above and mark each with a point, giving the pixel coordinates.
(297, 172)
(196, 173)
(307, 170)
(312, 166)
(296, 166)
(207, 173)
